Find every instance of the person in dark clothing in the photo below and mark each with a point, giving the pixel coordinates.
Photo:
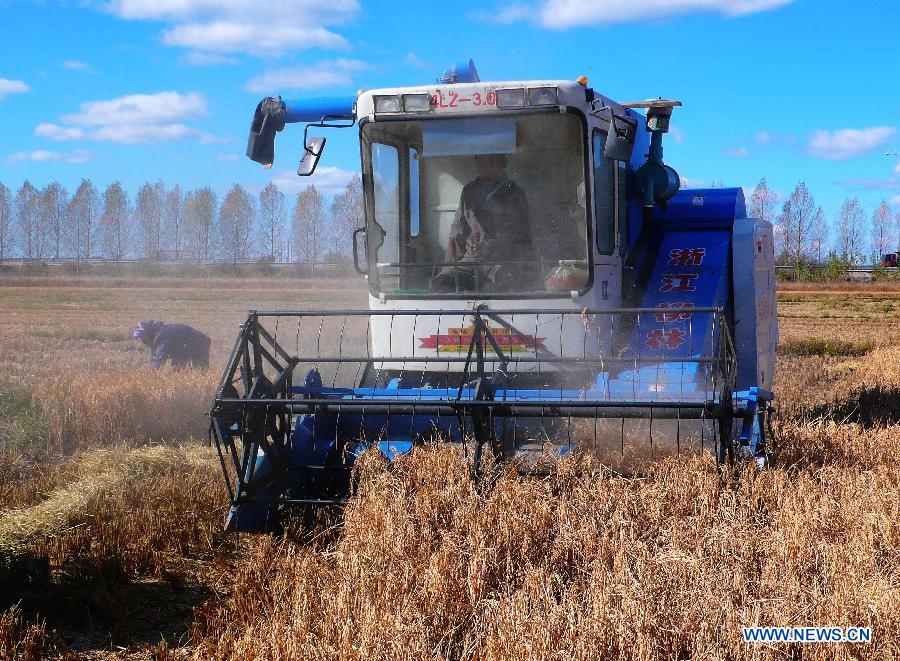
(490, 232)
(180, 344)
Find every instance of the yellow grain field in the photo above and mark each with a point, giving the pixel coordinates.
(111, 509)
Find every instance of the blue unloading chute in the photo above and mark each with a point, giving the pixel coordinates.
(691, 270)
(272, 113)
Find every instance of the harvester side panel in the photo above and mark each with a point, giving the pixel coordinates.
(755, 313)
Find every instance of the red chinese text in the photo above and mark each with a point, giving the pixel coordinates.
(660, 338)
(678, 282)
(677, 313)
(686, 256)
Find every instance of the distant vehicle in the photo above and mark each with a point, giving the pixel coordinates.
(890, 260)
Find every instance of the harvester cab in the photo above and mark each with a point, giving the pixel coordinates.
(538, 284)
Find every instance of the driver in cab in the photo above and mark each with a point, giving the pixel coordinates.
(490, 239)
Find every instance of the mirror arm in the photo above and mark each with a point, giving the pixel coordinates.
(326, 121)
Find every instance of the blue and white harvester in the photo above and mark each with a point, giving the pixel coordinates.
(621, 316)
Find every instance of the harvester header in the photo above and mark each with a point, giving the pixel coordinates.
(538, 285)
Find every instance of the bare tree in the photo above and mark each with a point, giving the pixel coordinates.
(763, 201)
(850, 230)
(882, 232)
(818, 234)
(347, 215)
(5, 222)
(115, 222)
(271, 219)
(84, 214)
(796, 221)
(200, 221)
(306, 225)
(236, 218)
(149, 219)
(54, 215)
(173, 221)
(897, 230)
(31, 234)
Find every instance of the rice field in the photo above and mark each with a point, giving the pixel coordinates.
(111, 508)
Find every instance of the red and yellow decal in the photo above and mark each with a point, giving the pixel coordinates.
(457, 340)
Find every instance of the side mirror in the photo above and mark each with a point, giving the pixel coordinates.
(312, 152)
(620, 139)
(357, 253)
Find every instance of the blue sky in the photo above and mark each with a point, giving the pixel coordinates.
(144, 89)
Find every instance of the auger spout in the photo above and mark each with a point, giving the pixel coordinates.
(272, 113)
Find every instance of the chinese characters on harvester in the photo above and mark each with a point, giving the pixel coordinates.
(678, 310)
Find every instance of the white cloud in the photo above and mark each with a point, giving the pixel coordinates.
(58, 133)
(228, 157)
(416, 62)
(737, 152)
(768, 138)
(243, 26)
(872, 183)
(677, 135)
(199, 59)
(8, 86)
(139, 109)
(897, 169)
(326, 73)
(845, 144)
(131, 134)
(44, 156)
(254, 39)
(517, 11)
(329, 180)
(895, 200)
(133, 119)
(78, 65)
(563, 14)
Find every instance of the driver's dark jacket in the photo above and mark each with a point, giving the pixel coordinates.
(491, 223)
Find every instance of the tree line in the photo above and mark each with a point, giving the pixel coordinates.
(161, 223)
(803, 234)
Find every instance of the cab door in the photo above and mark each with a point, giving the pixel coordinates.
(610, 227)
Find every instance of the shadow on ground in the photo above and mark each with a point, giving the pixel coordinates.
(93, 605)
(868, 407)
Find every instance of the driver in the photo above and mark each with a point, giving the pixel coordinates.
(489, 231)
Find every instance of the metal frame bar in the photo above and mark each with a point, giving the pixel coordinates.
(261, 415)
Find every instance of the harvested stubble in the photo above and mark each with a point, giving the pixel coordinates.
(125, 486)
(580, 565)
(134, 408)
(19, 640)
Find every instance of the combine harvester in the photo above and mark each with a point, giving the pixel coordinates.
(574, 299)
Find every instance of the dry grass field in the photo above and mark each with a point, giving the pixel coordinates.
(111, 508)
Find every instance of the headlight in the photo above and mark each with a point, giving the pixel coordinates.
(511, 98)
(416, 102)
(543, 96)
(387, 103)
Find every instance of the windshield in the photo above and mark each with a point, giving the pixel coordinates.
(477, 205)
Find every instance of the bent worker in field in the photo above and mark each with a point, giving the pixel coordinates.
(490, 239)
(179, 344)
